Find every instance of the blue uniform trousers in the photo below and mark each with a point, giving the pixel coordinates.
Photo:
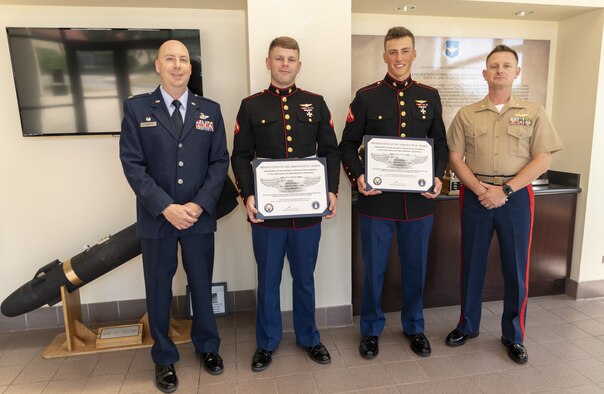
(302, 248)
(413, 237)
(513, 223)
(159, 265)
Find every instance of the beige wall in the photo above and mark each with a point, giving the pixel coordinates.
(579, 117)
(62, 193)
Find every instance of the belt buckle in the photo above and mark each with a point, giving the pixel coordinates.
(498, 180)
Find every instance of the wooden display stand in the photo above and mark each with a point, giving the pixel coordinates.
(78, 339)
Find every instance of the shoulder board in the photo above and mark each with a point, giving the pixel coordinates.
(368, 87)
(136, 96)
(311, 93)
(204, 98)
(421, 85)
(256, 94)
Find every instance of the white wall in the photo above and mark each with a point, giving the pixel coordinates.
(62, 193)
(324, 39)
(579, 117)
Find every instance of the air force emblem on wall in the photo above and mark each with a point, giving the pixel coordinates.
(451, 49)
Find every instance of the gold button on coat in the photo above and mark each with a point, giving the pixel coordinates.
(285, 107)
(288, 127)
(284, 99)
(286, 116)
(403, 125)
(290, 149)
(401, 94)
(289, 138)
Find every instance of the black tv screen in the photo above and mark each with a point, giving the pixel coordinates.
(74, 81)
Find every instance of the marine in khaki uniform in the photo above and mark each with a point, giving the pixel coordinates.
(507, 143)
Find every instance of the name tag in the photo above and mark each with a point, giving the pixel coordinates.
(148, 124)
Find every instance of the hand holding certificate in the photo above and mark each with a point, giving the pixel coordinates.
(291, 188)
(399, 164)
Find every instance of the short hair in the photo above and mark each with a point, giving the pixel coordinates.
(398, 32)
(284, 42)
(502, 48)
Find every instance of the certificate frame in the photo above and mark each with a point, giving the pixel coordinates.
(399, 164)
(220, 303)
(291, 188)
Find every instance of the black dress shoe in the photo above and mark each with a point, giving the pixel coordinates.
(165, 378)
(419, 344)
(457, 338)
(261, 360)
(516, 351)
(319, 354)
(212, 363)
(369, 347)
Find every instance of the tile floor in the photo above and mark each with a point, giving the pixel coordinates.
(565, 342)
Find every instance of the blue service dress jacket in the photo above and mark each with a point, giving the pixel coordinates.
(163, 167)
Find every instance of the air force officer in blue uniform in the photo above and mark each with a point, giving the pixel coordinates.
(174, 155)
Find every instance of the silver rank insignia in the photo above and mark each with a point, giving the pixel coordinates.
(308, 108)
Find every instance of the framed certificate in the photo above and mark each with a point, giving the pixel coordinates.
(291, 188)
(399, 164)
(219, 300)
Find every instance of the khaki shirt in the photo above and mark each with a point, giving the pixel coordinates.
(502, 143)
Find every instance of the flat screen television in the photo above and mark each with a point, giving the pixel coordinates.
(74, 81)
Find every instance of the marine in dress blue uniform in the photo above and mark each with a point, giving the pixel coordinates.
(183, 171)
(507, 143)
(284, 122)
(396, 106)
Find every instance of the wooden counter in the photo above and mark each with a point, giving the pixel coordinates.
(551, 252)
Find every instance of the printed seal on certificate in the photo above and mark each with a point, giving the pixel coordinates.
(291, 188)
(399, 164)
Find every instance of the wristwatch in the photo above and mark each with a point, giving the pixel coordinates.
(507, 189)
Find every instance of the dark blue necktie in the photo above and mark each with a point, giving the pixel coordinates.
(177, 118)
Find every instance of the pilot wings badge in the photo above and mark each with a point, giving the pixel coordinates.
(288, 185)
(308, 108)
(394, 161)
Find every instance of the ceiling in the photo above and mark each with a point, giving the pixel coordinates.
(191, 4)
(481, 9)
(544, 10)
